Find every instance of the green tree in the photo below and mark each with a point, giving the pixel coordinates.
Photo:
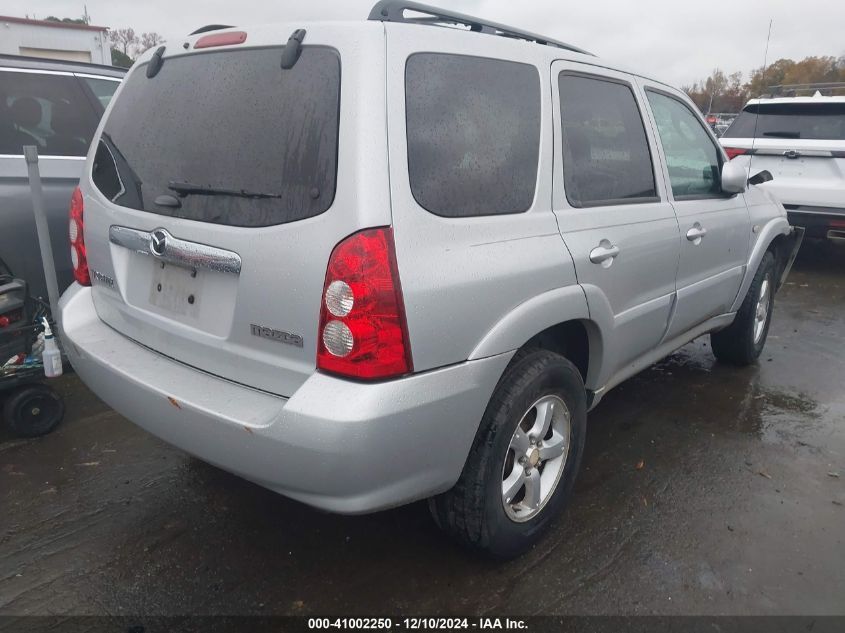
(124, 40)
(810, 70)
(773, 75)
(53, 18)
(718, 92)
(119, 58)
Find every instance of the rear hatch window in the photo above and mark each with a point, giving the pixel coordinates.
(814, 121)
(224, 137)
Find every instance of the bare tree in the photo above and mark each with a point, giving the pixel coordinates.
(124, 40)
(148, 40)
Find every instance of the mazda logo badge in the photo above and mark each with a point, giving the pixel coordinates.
(158, 241)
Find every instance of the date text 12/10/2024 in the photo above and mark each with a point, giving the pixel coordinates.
(413, 624)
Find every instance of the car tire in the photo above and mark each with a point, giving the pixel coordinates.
(33, 410)
(743, 340)
(528, 396)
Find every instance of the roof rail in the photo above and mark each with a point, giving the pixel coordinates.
(210, 27)
(24, 59)
(394, 11)
(793, 89)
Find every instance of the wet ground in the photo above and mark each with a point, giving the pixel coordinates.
(705, 489)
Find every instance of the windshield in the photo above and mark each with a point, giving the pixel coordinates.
(210, 127)
(817, 121)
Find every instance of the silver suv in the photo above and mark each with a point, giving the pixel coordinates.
(378, 262)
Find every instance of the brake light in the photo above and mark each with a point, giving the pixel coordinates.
(733, 152)
(76, 233)
(363, 332)
(11, 318)
(221, 39)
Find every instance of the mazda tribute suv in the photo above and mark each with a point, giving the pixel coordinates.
(368, 263)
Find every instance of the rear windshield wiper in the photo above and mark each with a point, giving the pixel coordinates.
(188, 188)
(783, 134)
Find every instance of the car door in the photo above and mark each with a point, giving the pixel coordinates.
(714, 226)
(612, 210)
(53, 111)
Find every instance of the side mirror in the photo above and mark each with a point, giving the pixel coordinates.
(761, 177)
(734, 177)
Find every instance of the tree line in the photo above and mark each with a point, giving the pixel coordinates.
(728, 93)
(127, 46)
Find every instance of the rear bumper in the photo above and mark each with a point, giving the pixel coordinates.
(819, 222)
(335, 444)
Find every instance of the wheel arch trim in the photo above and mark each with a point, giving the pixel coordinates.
(773, 228)
(538, 314)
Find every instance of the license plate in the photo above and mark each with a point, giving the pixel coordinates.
(176, 289)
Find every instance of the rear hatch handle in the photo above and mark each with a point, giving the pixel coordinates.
(163, 246)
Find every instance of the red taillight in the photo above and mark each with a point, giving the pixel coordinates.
(363, 332)
(733, 152)
(76, 232)
(221, 39)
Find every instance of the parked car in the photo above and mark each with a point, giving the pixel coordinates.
(410, 279)
(801, 142)
(54, 105)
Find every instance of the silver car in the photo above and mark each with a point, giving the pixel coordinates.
(54, 105)
(367, 263)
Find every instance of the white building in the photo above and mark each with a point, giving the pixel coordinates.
(54, 40)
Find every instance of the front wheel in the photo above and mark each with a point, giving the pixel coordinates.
(742, 342)
(522, 465)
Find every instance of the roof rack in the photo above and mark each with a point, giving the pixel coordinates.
(794, 89)
(394, 11)
(210, 27)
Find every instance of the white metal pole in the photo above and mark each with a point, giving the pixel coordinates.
(30, 153)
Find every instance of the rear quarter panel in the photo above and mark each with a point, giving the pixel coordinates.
(462, 277)
(768, 221)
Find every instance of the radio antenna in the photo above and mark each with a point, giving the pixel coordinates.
(757, 112)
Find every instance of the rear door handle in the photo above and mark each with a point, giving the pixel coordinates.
(604, 253)
(695, 234)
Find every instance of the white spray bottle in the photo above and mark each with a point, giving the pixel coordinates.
(52, 356)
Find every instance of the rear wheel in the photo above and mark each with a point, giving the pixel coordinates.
(742, 342)
(522, 465)
(33, 410)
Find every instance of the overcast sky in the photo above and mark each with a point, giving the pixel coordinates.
(675, 40)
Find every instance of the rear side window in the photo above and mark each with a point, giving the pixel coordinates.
(606, 159)
(819, 121)
(226, 137)
(49, 111)
(473, 134)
